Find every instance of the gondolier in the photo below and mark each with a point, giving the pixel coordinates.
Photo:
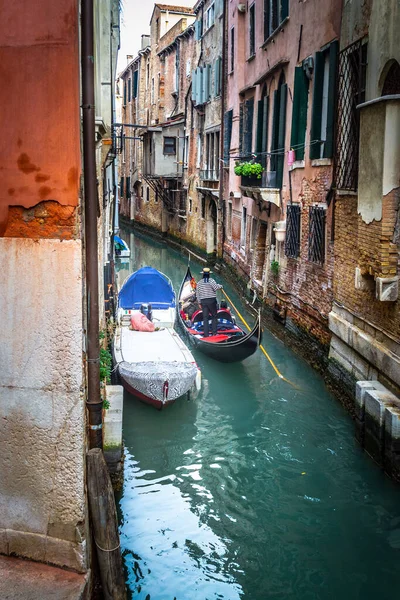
(207, 298)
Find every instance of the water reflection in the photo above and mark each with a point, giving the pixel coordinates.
(255, 490)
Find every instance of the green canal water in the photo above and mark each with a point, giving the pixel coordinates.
(255, 490)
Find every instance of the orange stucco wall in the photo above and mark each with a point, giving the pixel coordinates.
(39, 99)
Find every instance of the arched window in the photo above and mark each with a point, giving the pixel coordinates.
(391, 84)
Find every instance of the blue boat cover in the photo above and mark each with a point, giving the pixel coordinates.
(119, 242)
(146, 286)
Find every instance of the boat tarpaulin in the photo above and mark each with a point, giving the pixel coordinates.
(146, 286)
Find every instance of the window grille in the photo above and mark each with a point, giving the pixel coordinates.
(352, 78)
(316, 235)
(293, 219)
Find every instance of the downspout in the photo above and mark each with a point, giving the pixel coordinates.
(222, 206)
(94, 403)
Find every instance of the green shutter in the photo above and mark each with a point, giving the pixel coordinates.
(227, 135)
(260, 124)
(194, 79)
(281, 135)
(284, 9)
(315, 148)
(248, 132)
(275, 122)
(265, 125)
(330, 120)
(124, 92)
(299, 116)
(241, 110)
(266, 19)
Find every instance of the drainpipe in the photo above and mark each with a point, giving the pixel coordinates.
(222, 129)
(94, 402)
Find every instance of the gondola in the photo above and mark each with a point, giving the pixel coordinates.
(231, 344)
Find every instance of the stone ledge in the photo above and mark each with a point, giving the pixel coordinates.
(375, 352)
(43, 548)
(27, 580)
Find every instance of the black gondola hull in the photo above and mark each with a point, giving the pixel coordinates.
(233, 350)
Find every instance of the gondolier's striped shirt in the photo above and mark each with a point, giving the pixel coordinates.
(207, 289)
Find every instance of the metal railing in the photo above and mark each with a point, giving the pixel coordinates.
(269, 175)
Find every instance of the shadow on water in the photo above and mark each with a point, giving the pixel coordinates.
(254, 490)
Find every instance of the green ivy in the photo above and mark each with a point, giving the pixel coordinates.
(249, 169)
(274, 267)
(105, 365)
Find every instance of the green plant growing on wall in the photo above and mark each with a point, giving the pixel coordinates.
(274, 267)
(249, 169)
(105, 365)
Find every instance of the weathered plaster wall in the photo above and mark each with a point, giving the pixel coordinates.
(39, 60)
(383, 43)
(42, 495)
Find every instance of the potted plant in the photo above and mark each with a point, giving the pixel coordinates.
(250, 171)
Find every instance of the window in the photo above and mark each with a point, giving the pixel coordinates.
(316, 235)
(135, 83)
(246, 114)
(278, 131)
(217, 76)
(128, 187)
(147, 76)
(169, 145)
(253, 238)
(125, 92)
(152, 91)
(292, 243)
(199, 152)
(203, 207)
(243, 228)
(190, 205)
(252, 30)
(122, 186)
(324, 96)
(186, 153)
(129, 90)
(275, 11)
(352, 79)
(232, 49)
(210, 16)
(148, 194)
(299, 114)
(229, 223)
(156, 196)
(177, 63)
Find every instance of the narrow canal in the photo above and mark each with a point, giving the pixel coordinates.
(255, 490)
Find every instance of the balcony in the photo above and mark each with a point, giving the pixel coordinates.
(262, 189)
(209, 175)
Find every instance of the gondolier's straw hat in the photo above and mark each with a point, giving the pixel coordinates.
(206, 271)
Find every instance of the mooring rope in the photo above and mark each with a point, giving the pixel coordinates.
(261, 347)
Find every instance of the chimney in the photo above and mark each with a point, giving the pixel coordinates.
(145, 41)
(129, 57)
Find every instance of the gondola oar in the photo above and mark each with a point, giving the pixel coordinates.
(261, 347)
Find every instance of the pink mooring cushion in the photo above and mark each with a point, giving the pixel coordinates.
(140, 322)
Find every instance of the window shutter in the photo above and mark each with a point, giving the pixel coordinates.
(275, 122)
(218, 7)
(227, 135)
(199, 86)
(265, 128)
(124, 93)
(299, 116)
(241, 115)
(281, 135)
(121, 190)
(284, 9)
(135, 84)
(206, 83)
(315, 146)
(217, 76)
(260, 125)
(330, 121)
(266, 19)
(248, 130)
(128, 187)
(196, 30)
(209, 83)
(194, 80)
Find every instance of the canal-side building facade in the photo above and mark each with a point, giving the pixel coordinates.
(280, 108)
(43, 387)
(365, 318)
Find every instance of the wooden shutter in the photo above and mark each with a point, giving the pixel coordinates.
(128, 187)
(281, 135)
(135, 84)
(275, 123)
(248, 126)
(319, 67)
(241, 115)
(227, 135)
(260, 125)
(265, 127)
(299, 116)
(284, 9)
(194, 80)
(330, 120)
(124, 92)
(267, 30)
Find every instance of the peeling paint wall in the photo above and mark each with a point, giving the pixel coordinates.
(42, 495)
